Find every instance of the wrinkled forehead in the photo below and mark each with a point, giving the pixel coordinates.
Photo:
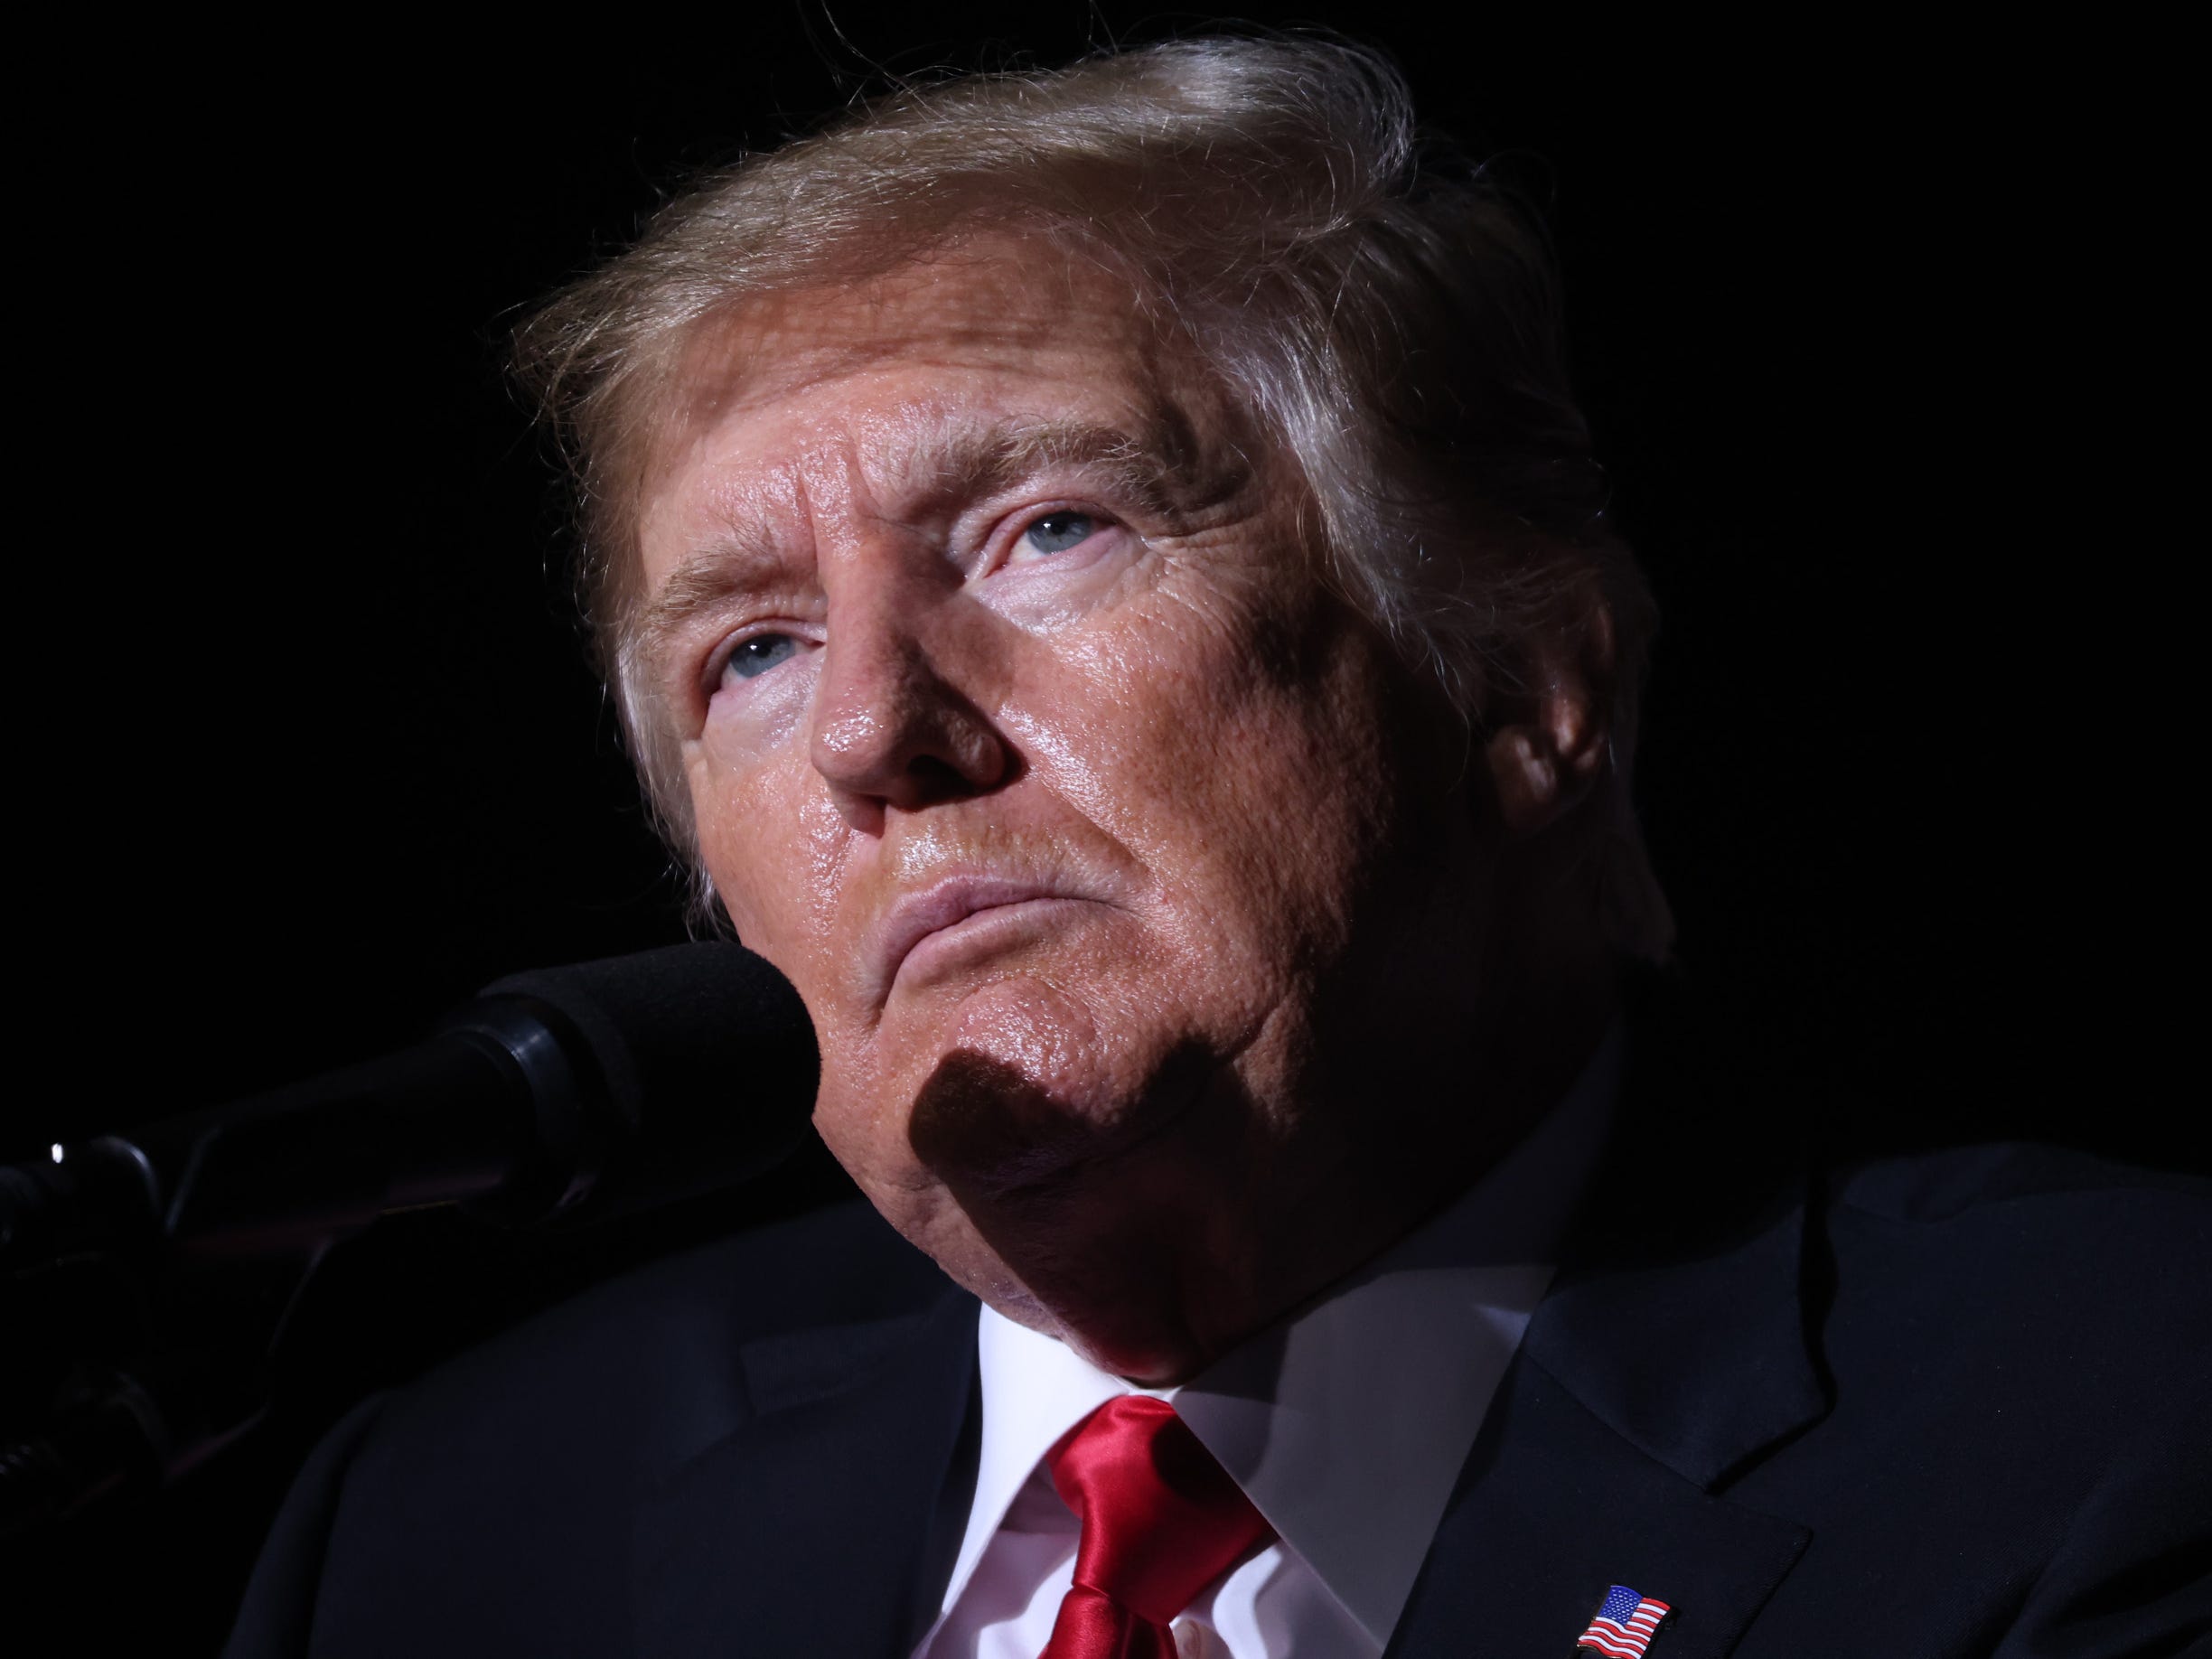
(995, 330)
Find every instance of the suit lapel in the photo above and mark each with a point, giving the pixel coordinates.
(1671, 1352)
(821, 1524)
(1636, 1390)
(1553, 1507)
(1701, 1363)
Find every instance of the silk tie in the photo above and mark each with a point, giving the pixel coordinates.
(1161, 1520)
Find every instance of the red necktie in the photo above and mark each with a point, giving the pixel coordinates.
(1161, 1520)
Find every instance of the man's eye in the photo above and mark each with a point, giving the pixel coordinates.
(754, 657)
(1057, 532)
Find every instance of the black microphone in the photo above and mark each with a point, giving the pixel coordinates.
(587, 1090)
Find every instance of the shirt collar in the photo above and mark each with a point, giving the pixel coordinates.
(1347, 1423)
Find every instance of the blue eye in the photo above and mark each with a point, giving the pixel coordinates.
(1057, 532)
(754, 657)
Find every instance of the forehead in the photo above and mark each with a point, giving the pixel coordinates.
(879, 377)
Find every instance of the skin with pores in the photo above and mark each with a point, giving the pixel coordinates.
(1170, 950)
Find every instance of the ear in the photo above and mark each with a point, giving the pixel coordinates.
(1550, 738)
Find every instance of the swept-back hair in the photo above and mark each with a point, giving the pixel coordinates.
(1389, 316)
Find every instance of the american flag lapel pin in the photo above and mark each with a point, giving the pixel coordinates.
(1624, 1624)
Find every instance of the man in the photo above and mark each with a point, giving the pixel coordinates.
(1107, 582)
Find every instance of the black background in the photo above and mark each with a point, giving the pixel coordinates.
(306, 747)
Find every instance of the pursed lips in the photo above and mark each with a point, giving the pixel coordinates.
(919, 917)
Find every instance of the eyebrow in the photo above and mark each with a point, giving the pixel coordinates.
(1144, 466)
(741, 562)
(1157, 469)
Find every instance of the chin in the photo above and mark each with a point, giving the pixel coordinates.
(1131, 1329)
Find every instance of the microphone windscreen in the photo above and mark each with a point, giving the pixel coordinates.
(705, 1050)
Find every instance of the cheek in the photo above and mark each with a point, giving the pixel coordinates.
(751, 723)
(1234, 742)
(771, 840)
(1135, 705)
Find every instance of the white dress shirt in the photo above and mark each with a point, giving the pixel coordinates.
(1345, 1424)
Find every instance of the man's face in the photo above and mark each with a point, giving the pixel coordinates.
(1022, 736)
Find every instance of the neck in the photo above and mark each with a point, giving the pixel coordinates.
(1223, 1224)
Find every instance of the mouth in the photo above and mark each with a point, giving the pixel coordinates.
(928, 933)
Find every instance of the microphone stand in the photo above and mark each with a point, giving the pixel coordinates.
(526, 1106)
(158, 1384)
(210, 1226)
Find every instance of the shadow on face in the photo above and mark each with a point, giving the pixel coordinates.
(1136, 1237)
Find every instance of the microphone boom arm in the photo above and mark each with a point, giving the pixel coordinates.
(530, 1104)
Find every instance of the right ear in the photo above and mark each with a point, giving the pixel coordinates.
(1549, 742)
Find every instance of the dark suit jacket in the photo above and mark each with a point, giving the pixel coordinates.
(1953, 1404)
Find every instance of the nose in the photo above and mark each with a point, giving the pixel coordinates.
(891, 728)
